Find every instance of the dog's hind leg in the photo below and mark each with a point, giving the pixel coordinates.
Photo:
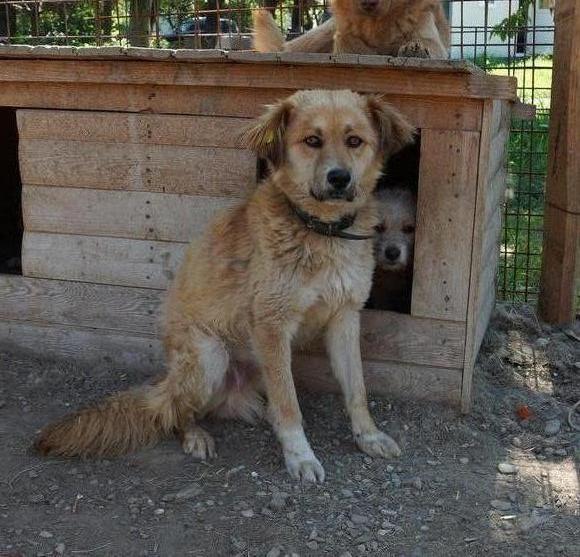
(343, 345)
(197, 368)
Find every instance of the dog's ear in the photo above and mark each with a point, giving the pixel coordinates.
(266, 136)
(395, 132)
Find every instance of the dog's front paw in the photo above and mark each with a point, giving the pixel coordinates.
(306, 469)
(414, 49)
(378, 444)
(198, 443)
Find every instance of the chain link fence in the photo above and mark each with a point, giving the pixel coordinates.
(504, 37)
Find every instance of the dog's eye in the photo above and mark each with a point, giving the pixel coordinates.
(380, 228)
(313, 141)
(409, 229)
(354, 141)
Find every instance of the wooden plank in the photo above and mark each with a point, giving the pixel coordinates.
(209, 101)
(99, 306)
(386, 336)
(111, 127)
(274, 75)
(113, 349)
(101, 260)
(498, 152)
(445, 212)
(83, 345)
(561, 261)
(423, 112)
(121, 214)
(389, 379)
(138, 167)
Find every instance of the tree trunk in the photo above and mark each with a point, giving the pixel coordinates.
(107, 19)
(7, 22)
(140, 23)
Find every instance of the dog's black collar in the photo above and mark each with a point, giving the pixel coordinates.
(335, 229)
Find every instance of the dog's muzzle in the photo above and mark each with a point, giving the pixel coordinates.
(340, 186)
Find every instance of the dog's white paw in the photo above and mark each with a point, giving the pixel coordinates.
(198, 443)
(306, 470)
(414, 49)
(378, 444)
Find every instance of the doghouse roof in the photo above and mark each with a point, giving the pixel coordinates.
(218, 68)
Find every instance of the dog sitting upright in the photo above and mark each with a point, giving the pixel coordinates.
(412, 28)
(293, 262)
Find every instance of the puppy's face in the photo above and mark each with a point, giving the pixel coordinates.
(327, 147)
(395, 239)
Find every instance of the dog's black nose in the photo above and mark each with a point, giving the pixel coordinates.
(392, 253)
(369, 4)
(338, 178)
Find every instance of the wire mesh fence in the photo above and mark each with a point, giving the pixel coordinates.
(504, 37)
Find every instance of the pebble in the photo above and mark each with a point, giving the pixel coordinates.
(501, 505)
(45, 534)
(359, 519)
(424, 528)
(346, 492)
(387, 525)
(516, 442)
(248, 513)
(507, 468)
(552, 427)
(159, 512)
(464, 460)
(278, 501)
(312, 544)
(346, 554)
(59, 548)
(542, 342)
(274, 552)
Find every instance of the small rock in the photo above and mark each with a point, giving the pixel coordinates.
(501, 505)
(542, 342)
(45, 534)
(346, 492)
(464, 460)
(516, 442)
(346, 554)
(552, 427)
(36, 498)
(248, 513)
(278, 501)
(274, 552)
(59, 548)
(424, 528)
(312, 544)
(507, 468)
(159, 512)
(388, 525)
(359, 519)
(187, 493)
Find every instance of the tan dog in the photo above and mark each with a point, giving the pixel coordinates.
(394, 250)
(278, 270)
(415, 28)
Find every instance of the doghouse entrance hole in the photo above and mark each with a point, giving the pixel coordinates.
(398, 188)
(11, 194)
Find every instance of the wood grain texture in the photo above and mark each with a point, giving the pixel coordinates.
(391, 379)
(560, 277)
(115, 349)
(121, 214)
(445, 212)
(98, 306)
(83, 345)
(385, 79)
(101, 260)
(385, 335)
(138, 167)
(150, 129)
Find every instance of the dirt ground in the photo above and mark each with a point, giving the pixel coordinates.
(444, 496)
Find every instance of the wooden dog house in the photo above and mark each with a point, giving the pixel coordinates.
(126, 153)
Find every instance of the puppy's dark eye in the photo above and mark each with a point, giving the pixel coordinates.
(353, 141)
(409, 229)
(313, 141)
(380, 228)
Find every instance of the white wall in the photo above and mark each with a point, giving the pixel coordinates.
(472, 19)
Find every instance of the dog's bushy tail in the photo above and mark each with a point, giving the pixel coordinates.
(267, 35)
(120, 424)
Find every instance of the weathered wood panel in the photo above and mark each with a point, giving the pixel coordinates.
(150, 129)
(124, 214)
(98, 306)
(101, 260)
(138, 167)
(271, 76)
(389, 379)
(445, 212)
(424, 112)
(385, 336)
(144, 353)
